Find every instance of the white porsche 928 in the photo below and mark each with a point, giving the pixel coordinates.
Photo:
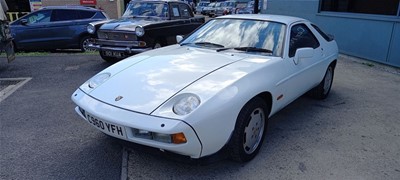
(216, 88)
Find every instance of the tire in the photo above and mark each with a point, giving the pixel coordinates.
(108, 58)
(159, 43)
(324, 87)
(253, 117)
(84, 42)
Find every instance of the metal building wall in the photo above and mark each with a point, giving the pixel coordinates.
(372, 37)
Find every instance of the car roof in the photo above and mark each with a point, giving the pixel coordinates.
(265, 17)
(70, 7)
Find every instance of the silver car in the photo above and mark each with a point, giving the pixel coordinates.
(200, 6)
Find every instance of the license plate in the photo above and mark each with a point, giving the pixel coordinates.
(114, 54)
(106, 127)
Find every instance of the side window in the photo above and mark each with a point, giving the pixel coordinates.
(184, 10)
(325, 36)
(39, 17)
(99, 15)
(65, 15)
(300, 37)
(175, 11)
(86, 14)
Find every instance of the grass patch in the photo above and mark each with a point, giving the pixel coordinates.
(368, 64)
(47, 53)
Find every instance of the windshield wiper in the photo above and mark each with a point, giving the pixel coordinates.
(182, 44)
(203, 44)
(208, 43)
(247, 49)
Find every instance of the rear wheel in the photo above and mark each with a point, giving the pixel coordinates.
(249, 132)
(324, 87)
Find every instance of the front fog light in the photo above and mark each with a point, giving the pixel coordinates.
(98, 79)
(186, 105)
(162, 137)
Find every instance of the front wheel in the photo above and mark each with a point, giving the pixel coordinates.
(249, 132)
(84, 44)
(159, 43)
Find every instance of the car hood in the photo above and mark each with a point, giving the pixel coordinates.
(129, 24)
(148, 83)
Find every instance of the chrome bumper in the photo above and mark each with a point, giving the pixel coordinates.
(118, 49)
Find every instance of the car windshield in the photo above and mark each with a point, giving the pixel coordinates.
(203, 4)
(159, 9)
(239, 33)
(229, 4)
(250, 4)
(241, 5)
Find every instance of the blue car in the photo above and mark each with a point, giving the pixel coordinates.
(55, 27)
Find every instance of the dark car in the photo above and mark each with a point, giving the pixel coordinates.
(55, 27)
(145, 25)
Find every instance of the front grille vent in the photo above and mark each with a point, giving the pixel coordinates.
(117, 36)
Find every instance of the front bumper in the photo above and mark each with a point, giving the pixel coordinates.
(133, 120)
(129, 47)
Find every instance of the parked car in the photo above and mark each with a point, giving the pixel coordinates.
(208, 9)
(216, 88)
(231, 7)
(249, 9)
(218, 6)
(201, 5)
(227, 7)
(240, 6)
(55, 27)
(145, 25)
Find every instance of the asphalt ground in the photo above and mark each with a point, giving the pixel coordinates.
(41, 137)
(353, 134)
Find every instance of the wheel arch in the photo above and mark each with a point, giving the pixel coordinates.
(333, 63)
(267, 97)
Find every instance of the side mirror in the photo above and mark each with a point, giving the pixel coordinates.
(24, 21)
(303, 53)
(179, 38)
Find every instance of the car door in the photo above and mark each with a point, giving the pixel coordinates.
(30, 32)
(65, 27)
(303, 59)
(181, 12)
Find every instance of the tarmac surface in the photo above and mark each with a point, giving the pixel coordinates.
(353, 134)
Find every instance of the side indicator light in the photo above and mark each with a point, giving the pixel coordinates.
(178, 138)
(279, 97)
